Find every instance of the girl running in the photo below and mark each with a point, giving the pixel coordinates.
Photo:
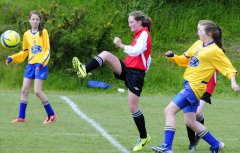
(202, 59)
(37, 48)
(132, 71)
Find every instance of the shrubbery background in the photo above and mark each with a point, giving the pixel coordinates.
(85, 28)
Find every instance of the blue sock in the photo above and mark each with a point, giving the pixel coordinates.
(209, 138)
(22, 109)
(49, 110)
(169, 136)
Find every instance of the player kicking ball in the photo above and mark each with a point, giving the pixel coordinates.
(132, 71)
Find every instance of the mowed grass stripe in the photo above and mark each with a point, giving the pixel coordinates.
(112, 112)
(68, 135)
(95, 125)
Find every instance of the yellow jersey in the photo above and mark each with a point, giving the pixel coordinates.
(36, 47)
(201, 63)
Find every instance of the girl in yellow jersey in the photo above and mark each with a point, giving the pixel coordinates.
(37, 48)
(202, 59)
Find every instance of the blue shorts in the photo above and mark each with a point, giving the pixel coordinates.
(32, 73)
(186, 99)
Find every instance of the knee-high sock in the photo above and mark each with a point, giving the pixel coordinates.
(169, 136)
(140, 123)
(96, 62)
(22, 109)
(191, 135)
(209, 138)
(48, 108)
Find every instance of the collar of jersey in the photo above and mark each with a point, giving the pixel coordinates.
(208, 44)
(33, 32)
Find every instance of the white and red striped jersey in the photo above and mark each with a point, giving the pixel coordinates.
(138, 53)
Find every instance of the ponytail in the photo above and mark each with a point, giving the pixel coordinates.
(147, 22)
(40, 29)
(218, 38)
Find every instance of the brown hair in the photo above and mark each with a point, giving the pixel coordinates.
(216, 32)
(40, 27)
(140, 16)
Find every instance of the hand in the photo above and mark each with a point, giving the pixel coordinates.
(234, 84)
(169, 54)
(9, 60)
(117, 41)
(39, 66)
(236, 87)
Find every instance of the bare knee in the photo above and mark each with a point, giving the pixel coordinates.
(37, 92)
(168, 111)
(133, 108)
(25, 91)
(105, 55)
(188, 123)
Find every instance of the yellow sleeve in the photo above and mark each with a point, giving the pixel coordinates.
(21, 56)
(182, 60)
(223, 64)
(46, 48)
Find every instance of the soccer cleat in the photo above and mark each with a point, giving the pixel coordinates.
(18, 120)
(50, 119)
(81, 69)
(141, 143)
(162, 149)
(192, 148)
(217, 149)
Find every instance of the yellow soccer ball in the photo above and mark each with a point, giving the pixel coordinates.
(10, 39)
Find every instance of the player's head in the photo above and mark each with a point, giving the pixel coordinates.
(35, 20)
(209, 30)
(138, 19)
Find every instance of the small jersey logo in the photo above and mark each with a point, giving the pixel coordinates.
(36, 49)
(194, 62)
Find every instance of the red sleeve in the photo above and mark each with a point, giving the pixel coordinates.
(212, 83)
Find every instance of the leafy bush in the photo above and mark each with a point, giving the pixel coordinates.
(70, 33)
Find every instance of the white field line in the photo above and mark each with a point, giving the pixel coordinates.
(154, 98)
(94, 124)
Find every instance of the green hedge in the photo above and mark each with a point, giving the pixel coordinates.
(85, 28)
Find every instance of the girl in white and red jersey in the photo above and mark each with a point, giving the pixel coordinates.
(132, 71)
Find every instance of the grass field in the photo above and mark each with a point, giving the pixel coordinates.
(72, 134)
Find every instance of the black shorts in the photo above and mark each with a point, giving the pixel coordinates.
(133, 78)
(206, 97)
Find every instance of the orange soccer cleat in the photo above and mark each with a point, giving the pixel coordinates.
(50, 119)
(18, 120)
